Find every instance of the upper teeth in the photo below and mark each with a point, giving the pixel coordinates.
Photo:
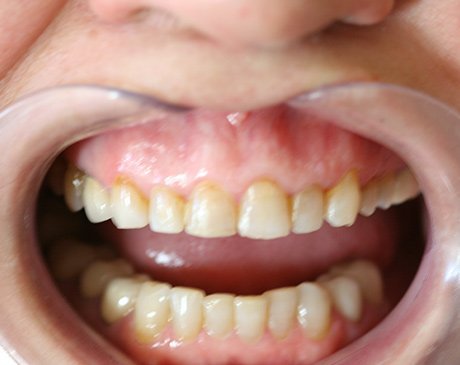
(264, 211)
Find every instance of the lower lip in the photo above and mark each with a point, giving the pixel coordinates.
(431, 300)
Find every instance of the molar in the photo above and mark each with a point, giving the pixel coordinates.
(264, 212)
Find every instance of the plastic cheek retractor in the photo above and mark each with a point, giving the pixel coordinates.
(36, 326)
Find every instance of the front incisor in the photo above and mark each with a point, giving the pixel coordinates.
(210, 212)
(343, 201)
(167, 209)
(282, 309)
(250, 317)
(264, 212)
(186, 310)
(218, 314)
(307, 210)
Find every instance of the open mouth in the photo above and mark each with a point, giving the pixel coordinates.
(278, 236)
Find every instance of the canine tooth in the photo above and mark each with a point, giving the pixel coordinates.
(130, 208)
(386, 190)
(166, 214)
(346, 297)
(250, 317)
(99, 273)
(343, 201)
(282, 309)
(74, 180)
(264, 212)
(218, 314)
(314, 310)
(370, 198)
(307, 210)
(186, 308)
(406, 187)
(96, 200)
(119, 298)
(210, 212)
(152, 310)
(368, 277)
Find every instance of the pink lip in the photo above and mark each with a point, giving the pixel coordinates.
(425, 133)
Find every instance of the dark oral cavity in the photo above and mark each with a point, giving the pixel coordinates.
(276, 146)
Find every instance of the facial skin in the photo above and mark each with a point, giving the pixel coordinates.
(230, 55)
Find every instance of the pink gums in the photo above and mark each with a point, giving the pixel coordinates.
(280, 144)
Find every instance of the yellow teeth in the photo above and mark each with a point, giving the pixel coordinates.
(343, 201)
(130, 208)
(210, 212)
(264, 211)
(155, 307)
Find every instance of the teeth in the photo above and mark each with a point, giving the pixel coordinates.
(264, 212)
(99, 273)
(406, 187)
(314, 310)
(187, 318)
(68, 258)
(151, 311)
(346, 297)
(74, 180)
(307, 210)
(130, 208)
(96, 200)
(218, 314)
(282, 309)
(250, 317)
(343, 201)
(368, 277)
(119, 298)
(210, 212)
(166, 211)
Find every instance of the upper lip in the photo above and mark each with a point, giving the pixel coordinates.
(428, 300)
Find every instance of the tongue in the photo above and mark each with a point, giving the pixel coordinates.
(293, 149)
(246, 266)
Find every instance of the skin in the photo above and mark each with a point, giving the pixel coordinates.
(252, 46)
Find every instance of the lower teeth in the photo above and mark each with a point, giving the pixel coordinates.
(156, 307)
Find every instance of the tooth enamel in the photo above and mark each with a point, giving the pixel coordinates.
(218, 314)
(166, 214)
(210, 212)
(406, 187)
(314, 310)
(346, 297)
(186, 309)
(343, 201)
(307, 210)
(68, 258)
(129, 207)
(152, 310)
(370, 198)
(386, 190)
(282, 310)
(74, 180)
(119, 298)
(99, 273)
(250, 317)
(96, 200)
(368, 277)
(264, 212)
